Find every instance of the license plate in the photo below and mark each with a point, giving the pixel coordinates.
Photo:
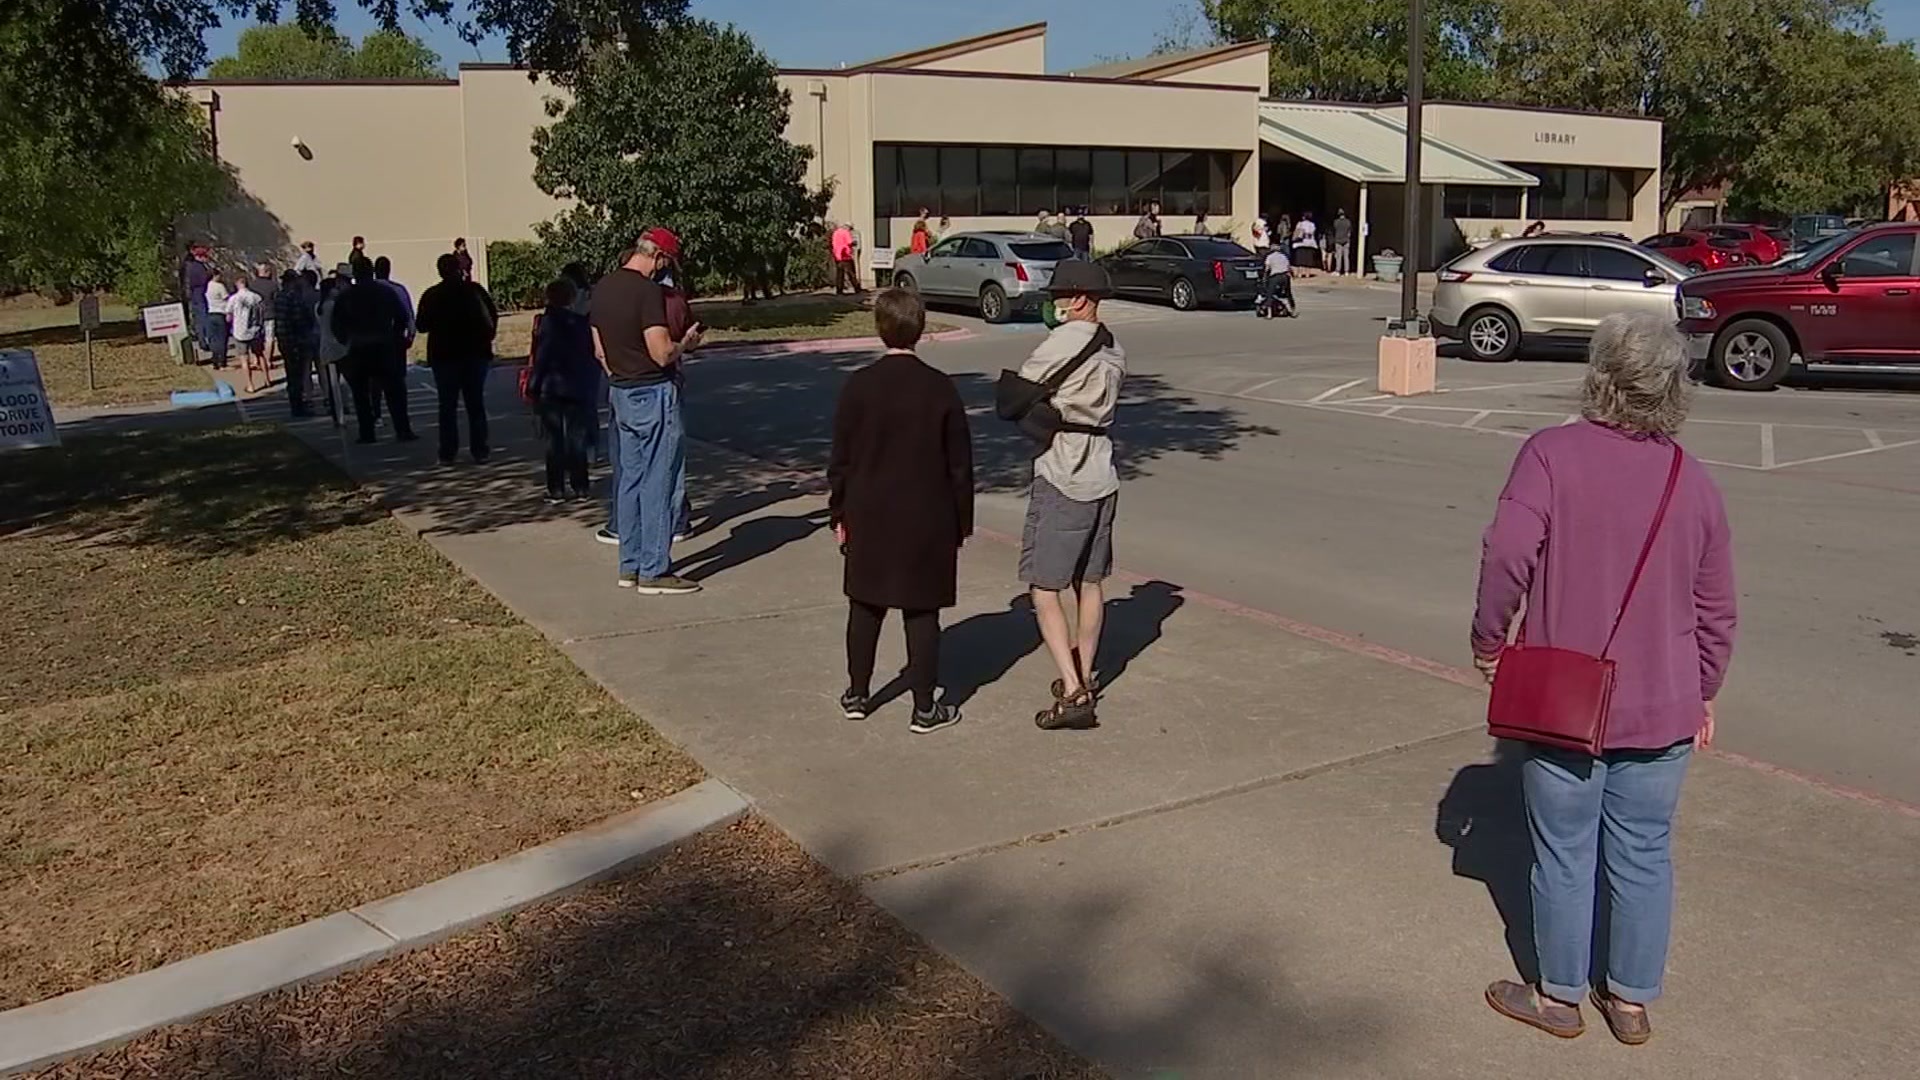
(1253, 274)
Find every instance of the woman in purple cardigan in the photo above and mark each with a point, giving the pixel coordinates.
(1566, 535)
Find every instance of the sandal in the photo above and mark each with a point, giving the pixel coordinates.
(1068, 713)
(1518, 1001)
(1059, 687)
(1632, 1028)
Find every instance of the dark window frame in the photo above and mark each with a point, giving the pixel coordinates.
(1204, 180)
(1482, 201)
(1566, 193)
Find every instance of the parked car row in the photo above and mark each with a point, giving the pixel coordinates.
(1851, 299)
(1006, 274)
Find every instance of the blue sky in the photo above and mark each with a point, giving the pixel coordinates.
(826, 33)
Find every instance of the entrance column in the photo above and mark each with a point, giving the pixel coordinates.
(1360, 236)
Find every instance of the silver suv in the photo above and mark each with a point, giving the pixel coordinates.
(1001, 273)
(1548, 290)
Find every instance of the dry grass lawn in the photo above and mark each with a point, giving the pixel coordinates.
(236, 696)
(735, 957)
(128, 369)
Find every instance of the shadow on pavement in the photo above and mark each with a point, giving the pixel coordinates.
(749, 541)
(1483, 818)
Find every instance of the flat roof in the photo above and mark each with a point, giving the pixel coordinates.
(1364, 146)
(1172, 63)
(955, 48)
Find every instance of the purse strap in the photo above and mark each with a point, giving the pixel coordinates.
(1646, 549)
(1102, 337)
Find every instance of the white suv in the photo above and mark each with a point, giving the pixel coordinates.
(1546, 290)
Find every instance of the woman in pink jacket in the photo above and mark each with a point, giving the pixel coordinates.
(1569, 528)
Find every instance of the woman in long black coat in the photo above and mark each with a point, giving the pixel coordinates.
(901, 476)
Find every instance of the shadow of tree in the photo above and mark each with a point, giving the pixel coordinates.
(734, 957)
(200, 490)
(1483, 818)
(130, 330)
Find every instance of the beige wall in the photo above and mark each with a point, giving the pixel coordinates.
(1251, 70)
(387, 165)
(1027, 56)
(499, 112)
(1531, 135)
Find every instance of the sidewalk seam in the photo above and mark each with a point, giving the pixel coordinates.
(1244, 787)
(725, 620)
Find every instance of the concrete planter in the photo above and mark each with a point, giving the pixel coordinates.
(1387, 267)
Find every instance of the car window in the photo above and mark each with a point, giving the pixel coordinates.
(1613, 264)
(1548, 260)
(976, 248)
(1216, 249)
(1886, 255)
(948, 247)
(1041, 250)
(1151, 248)
(1665, 240)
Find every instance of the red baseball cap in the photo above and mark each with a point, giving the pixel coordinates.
(663, 239)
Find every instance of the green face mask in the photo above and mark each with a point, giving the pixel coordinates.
(1050, 314)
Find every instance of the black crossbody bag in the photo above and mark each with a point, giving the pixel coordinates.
(1030, 405)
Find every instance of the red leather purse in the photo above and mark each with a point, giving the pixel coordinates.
(1559, 697)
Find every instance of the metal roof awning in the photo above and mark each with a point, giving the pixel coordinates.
(1368, 147)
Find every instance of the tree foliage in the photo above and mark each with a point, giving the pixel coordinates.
(292, 53)
(692, 138)
(1794, 104)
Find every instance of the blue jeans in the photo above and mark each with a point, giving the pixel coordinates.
(682, 522)
(651, 453)
(1618, 807)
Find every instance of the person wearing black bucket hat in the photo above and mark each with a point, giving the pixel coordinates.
(1067, 543)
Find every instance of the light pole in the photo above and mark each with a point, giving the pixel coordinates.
(1416, 88)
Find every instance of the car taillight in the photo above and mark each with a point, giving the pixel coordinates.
(1219, 270)
(1019, 271)
(1455, 276)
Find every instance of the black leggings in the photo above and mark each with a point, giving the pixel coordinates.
(923, 649)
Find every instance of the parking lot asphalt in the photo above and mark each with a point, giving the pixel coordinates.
(1263, 467)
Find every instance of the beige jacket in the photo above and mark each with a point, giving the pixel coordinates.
(1081, 466)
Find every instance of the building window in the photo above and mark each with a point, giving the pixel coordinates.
(1036, 179)
(1482, 202)
(1577, 193)
(1007, 181)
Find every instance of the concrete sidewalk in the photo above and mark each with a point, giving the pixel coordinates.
(1277, 858)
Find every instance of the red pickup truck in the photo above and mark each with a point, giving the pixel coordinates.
(1851, 300)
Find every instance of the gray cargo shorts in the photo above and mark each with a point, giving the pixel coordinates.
(1065, 541)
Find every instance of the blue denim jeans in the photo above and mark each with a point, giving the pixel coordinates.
(682, 522)
(651, 455)
(1617, 809)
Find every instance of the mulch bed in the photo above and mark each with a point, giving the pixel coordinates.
(734, 957)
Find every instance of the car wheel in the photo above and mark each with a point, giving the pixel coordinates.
(905, 282)
(1752, 355)
(1696, 267)
(1183, 295)
(993, 304)
(1490, 334)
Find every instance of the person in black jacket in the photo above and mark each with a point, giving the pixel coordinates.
(565, 385)
(459, 319)
(368, 319)
(901, 503)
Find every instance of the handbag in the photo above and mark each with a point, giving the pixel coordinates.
(1030, 405)
(1560, 697)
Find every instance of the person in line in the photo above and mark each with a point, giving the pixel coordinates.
(307, 260)
(1200, 224)
(459, 319)
(1534, 229)
(1149, 223)
(945, 230)
(1261, 240)
(1342, 243)
(576, 274)
(632, 340)
(1282, 233)
(1067, 544)
(383, 273)
(900, 482)
(922, 237)
(296, 325)
(267, 284)
(1276, 282)
(1080, 235)
(565, 383)
(846, 274)
(247, 312)
(1306, 242)
(219, 321)
(333, 350)
(1568, 531)
(194, 275)
(463, 257)
(368, 318)
(359, 250)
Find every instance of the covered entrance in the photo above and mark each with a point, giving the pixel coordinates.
(1324, 159)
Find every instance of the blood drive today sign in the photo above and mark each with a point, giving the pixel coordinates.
(26, 417)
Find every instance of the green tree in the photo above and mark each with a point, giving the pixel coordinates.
(1356, 50)
(293, 53)
(692, 138)
(76, 219)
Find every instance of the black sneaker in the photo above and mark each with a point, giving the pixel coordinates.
(855, 706)
(940, 716)
(607, 536)
(556, 498)
(666, 586)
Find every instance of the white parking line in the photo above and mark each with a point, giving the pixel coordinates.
(1477, 417)
(1325, 394)
(1766, 446)
(1846, 454)
(1874, 440)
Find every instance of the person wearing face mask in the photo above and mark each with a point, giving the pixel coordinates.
(1067, 544)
